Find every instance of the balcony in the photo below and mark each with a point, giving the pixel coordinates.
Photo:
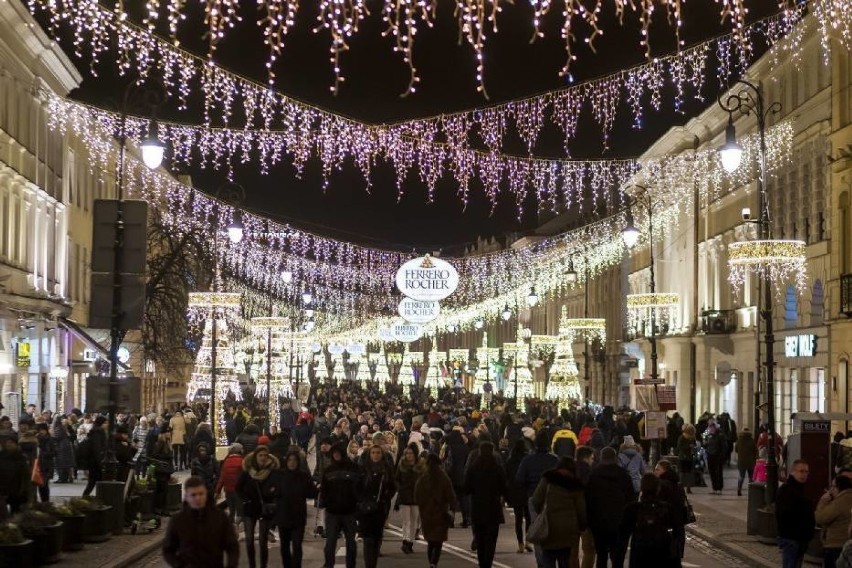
(643, 331)
(846, 294)
(718, 322)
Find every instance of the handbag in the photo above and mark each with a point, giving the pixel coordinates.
(539, 529)
(371, 505)
(35, 476)
(267, 510)
(690, 513)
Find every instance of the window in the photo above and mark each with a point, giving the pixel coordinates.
(791, 307)
(817, 303)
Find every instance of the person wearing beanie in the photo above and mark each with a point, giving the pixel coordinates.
(229, 474)
(485, 482)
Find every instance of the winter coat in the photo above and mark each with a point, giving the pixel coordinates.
(485, 482)
(140, 434)
(516, 491)
(202, 437)
(686, 448)
(46, 456)
(258, 486)
(178, 426)
(632, 462)
(64, 448)
(566, 509)
(434, 496)
(456, 454)
(715, 444)
(198, 539)
(746, 449)
(323, 460)
(341, 487)
(208, 470)
(793, 512)
(644, 552)
(608, 491)
(248, 441)
(406, 478)
(295, 488)
(834, 517)
(532, 468)
(14, 477)
(229, 473)
(671, 491)
(97, 441)
(28, 444)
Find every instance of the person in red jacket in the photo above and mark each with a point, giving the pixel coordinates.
(229, 474)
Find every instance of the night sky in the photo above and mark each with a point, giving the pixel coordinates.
(375, 78)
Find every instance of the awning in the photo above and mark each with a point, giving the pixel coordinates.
(83, 336)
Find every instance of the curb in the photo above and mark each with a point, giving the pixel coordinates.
(732, 549)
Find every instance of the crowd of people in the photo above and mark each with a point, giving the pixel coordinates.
(578, 482)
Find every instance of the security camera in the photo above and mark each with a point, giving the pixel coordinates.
(746, 213)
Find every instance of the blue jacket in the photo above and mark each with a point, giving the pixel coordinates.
(532, 468)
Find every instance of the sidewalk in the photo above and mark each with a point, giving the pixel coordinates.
(118, 551)
(722, 522)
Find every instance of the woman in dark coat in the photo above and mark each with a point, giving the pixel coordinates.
(46, 459)
(295, 487)
(409, 470)
(686, 456)
(258, 486)
(648, 523)
(64, 462)
(516, 493)
(435, 499)
(671, 491)
(485, 482)
(379, 487)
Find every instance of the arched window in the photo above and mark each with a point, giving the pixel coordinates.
(817, 303)
(791, 307)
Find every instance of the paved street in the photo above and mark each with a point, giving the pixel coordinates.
(457, 552)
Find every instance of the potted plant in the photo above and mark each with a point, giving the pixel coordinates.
(174, 497)
(45, 530)
(15, 550)
(72, 523)
(96, 526)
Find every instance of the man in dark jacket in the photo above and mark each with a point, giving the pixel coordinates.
(97, 442)
(608, 491)
(795, 516)
(455, 459)
(340, 494)
(14, 473)
(485, 482)
(534, 465)
(201, 533)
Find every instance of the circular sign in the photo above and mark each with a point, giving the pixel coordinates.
(123, 354)
(406, 332)
(418, 311)
(427, 278)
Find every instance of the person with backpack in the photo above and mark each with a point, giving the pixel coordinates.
(559, 495)
(630, 459)
(648, 525)
(608, 492)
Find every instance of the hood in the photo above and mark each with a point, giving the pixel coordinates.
(568, 482)
(250, 466)
(629, 452)
(609, 471)
(745, 436)
(846, 442)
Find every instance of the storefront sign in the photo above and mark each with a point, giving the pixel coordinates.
(23, 354)
(406, 332)
(821, 426)
(418, 311)
(427, 278)
(800, 345)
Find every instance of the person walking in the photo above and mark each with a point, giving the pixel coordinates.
(630, 458)
(96, 444)
(648, 524)
(530, 471)
(454, 455)
(833, 514)
(340, 491)
(516, 494)
(64, 462)
(485, 482)
(409, 470)
(46, 459)
(608, 492)
(229, 475)
(672, 493)
(795, 516)
(686, 445)
(206, 467)
(258, 488)
(376, 494)
(295, 487)
(200, 534)
(746, 449)
(161, 457)
(433, 493)
(560, 496)
(715, 444)
(178, 426)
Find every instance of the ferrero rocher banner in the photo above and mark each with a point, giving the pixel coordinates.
(406, 332)
(418, 311)
(427, 279)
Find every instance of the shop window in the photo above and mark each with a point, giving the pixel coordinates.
(817, 303)
(791, 307)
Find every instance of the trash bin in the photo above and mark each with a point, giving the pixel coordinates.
(756, 500)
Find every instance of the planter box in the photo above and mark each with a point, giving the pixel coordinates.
(96, 527)
(17, 555)
(47, 546)
(174, 497)
(72, 533)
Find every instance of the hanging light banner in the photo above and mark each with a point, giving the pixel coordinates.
(385, 334)
(406, 332)
(418, 311)
(427, 279)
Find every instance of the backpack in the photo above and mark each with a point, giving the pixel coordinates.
(652, 527)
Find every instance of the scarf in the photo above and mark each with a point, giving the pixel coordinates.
(251, 466)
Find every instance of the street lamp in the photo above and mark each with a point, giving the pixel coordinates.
(235, 229)
(286, 276)
(478, 324)
(532, 298)
(570, 274)
(507, 313)
(307, 297)
(749, 100)
(153, 149)
(630, 234)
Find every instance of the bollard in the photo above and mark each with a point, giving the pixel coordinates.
(756, 500)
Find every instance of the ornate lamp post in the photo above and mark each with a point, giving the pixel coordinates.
(773, 260)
